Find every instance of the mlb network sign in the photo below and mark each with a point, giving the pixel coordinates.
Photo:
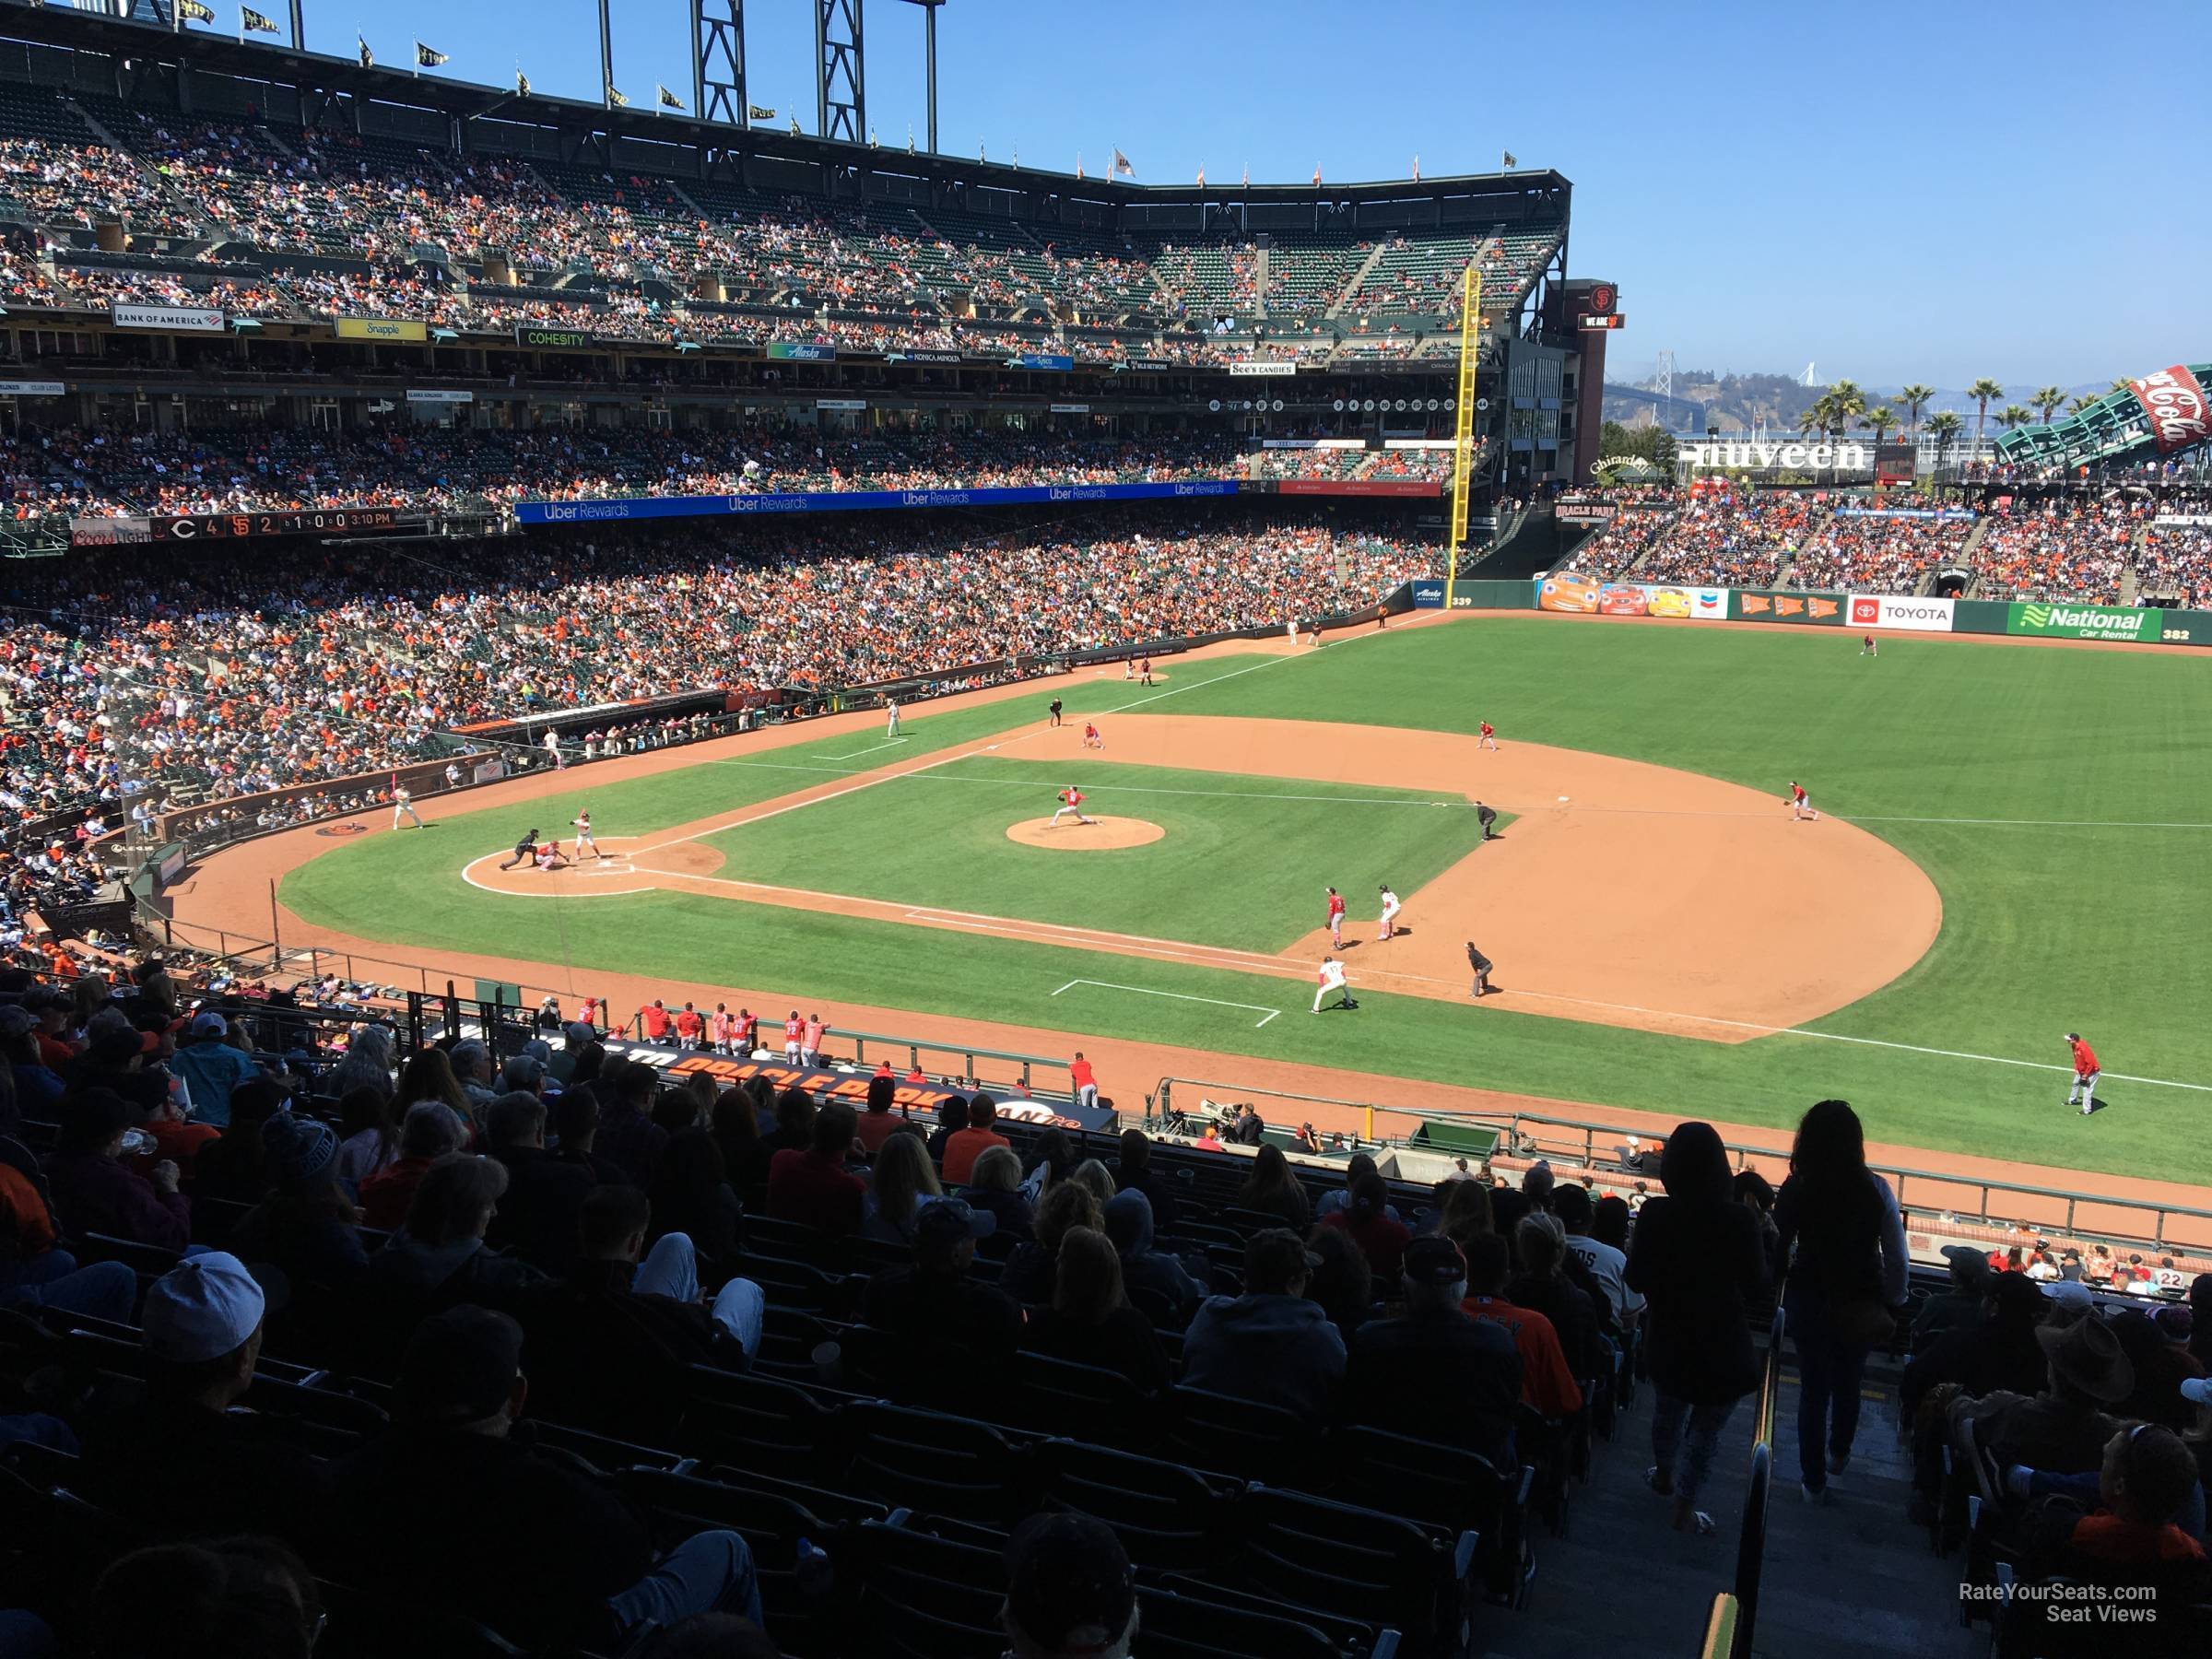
(2084, 622)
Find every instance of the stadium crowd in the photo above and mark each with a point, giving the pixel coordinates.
(2065, 548)
(525, 1253)
(105, 472)
(232, 675)
(1879, 555)
(1739, 539)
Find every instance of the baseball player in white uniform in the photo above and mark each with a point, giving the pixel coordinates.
(890, 717)
(582, 824)
(1330, 978)
(560, 762)
(402, 801)
(1390, 913)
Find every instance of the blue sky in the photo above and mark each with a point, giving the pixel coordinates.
(1932, 192)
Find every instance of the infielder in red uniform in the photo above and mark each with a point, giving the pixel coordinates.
(1336, 918)
(1090, 736)
(1801, 804)
(2085, 1074)
(1488, 737)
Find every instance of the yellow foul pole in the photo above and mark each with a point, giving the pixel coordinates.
(1462, 446)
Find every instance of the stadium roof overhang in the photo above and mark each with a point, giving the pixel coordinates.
(140, 43)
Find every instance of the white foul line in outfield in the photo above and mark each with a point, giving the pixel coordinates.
(964, 754)
(1265, 1013)
(2038, 823)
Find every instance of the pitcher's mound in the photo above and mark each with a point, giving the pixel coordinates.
(1103, 835)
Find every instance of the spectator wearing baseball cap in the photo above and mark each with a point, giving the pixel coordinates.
(459, 1504)
(1070, 1591)
(1959, 1306)
(1270, 1344)
(937, 1328)
(185, 1461)
(92, 1193)
(38, 1086)
(307, 1225)
(211, 1068)
(1400, 1368)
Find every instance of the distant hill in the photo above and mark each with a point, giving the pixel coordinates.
(1738, 402)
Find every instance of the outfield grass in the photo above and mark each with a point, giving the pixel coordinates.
(2062, 917)
(1243, 865)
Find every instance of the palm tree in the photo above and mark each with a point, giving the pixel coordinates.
(1985, 391)
(1879, 420)
(1845, 401)
(1915, 398)
(2122, 384)
(1943, 426)
(2046, 400)
(2079, 403)
(1813, 418)
(2012, 416)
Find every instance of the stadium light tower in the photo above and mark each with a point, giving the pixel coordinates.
(841, 86)
(718, 62)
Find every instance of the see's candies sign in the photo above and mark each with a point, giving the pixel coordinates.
(2084, 623)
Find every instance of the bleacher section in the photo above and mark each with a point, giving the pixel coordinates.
(514, 224)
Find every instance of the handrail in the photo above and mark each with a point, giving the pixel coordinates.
(915, 1047)
(1589, 1144)
(1751, 1542)
(1720, 1628)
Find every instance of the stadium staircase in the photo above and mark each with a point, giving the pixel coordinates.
(1352, 286)
(1968, 554)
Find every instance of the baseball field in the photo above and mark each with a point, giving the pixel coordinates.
(2012, 845)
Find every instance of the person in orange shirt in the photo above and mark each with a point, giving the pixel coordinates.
(688, 1026)
(810, 1047)
(719, 1026)
(963, 1147)
(652, 1022)
(1548, 1382)
(1084, 1079)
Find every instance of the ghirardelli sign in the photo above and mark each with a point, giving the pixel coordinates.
(2176, 406)
(1753, 455)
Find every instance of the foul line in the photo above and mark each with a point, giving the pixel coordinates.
(1265, 1013)
(926, 766)
(849, 753)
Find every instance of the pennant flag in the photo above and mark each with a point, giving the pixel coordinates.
(1078, 164)
(252, 22)
(1416, 170)
(1511, 159)
(755, 112)
(367, 57)
(1317, 175)
(670, 101)
(521, 84)
(1247, 175)
(1123, 166)
(616, 97)
(1202, 178)
(429, 57)
(192, 11)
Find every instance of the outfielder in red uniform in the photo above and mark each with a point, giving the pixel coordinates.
(1336, 918)
(2084, 1090)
